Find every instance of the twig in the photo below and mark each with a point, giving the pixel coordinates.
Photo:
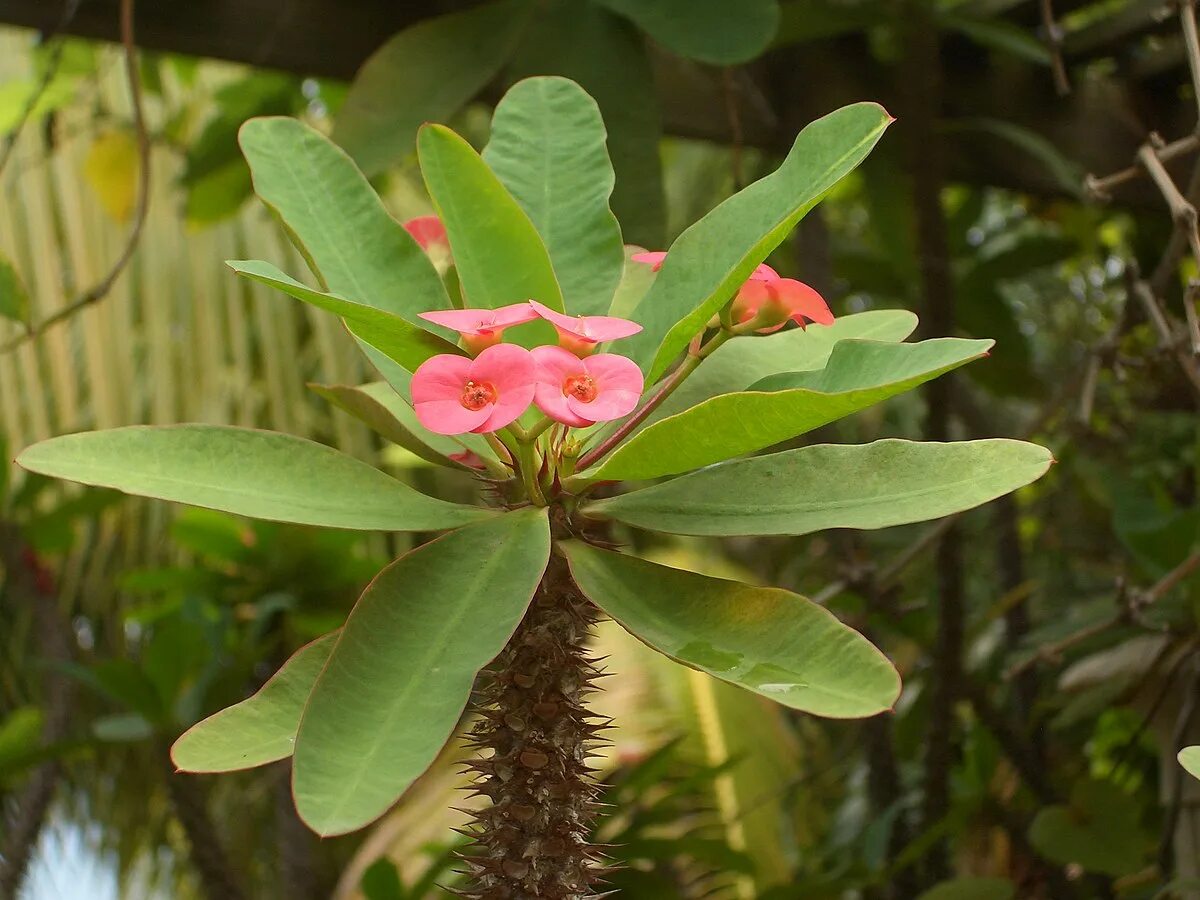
(51, 70)
(1052, 37)
(101, 288)
(1166, 337)
(1182, 211)
(1101, 188)
(1131, 605)
(1187, 21)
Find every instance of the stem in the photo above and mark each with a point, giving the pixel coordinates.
(686, 368)
(534, 836)
(527, 456)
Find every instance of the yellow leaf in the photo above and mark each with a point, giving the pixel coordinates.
(111, 169)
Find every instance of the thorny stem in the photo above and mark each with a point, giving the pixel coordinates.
(536, 736)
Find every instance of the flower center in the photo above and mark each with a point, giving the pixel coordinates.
(477, 394)
(581, 387)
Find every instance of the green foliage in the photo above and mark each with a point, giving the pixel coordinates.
(386, 413)
(401, 342)
(353, 246)
(876, 485)
(766, 640)
(711, 259)
(401, 671)
(425, 73)
(1189, 758)
(547, 147)
(14, 301)
(711, 31)
(608, 58)
(1095, 830)
(260, 729)
(215, 175)
(499, 256)
(736, 365)
(972, 889)
(785, 405)
(251, 473)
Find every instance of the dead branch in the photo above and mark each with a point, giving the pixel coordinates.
(98, 291)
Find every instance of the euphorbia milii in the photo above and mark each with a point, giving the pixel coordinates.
(430, 233)
(581, 334)
(481, 328)
(582, 392)
(773, 301)
(453, 395)
(653, 258)
(427, 231)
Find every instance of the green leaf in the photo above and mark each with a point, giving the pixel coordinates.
(971, 889)
(394, 337)
(252, 473)
(1189, 758)
(1096, 831)
(767, 640)
(498, 253)
(997, 34)
(14, 301)
(381, 881)
(736, 365)
(425, 73)
(547, 147)
(339, 223)
(711, 31)
(20, 735)
(607, 56)
(365, 403)
(867, 486)
(262, 728)
(859, 374)
(710, 261)
(1066, 173)
(402, 670)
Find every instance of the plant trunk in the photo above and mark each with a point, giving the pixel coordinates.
(30, 582)
(535, 737)
(217, 878)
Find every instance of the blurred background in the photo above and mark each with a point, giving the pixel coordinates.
(1036, 189)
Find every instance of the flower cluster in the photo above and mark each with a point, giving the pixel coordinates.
(570, 383)
(766, 298)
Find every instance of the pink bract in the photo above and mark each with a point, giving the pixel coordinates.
(481, 328)
(653, 258)
(780, 299)
(581, 392)
(581, 334)
(453, 394)
(427, 231)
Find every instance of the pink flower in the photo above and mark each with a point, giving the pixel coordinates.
(481, 328)
(453, 394)
(776, 300)
(430, 233)
(468, 458)
(581, 334)
(427, 231)
(581, 392)
(653, 258)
